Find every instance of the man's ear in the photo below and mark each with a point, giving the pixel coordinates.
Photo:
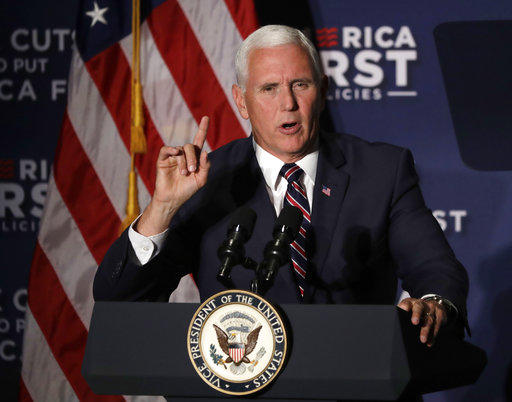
(238, 96)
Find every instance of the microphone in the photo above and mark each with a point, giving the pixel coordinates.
(277, 251)
(232, 252)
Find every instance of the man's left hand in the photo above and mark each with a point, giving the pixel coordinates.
(429, 314)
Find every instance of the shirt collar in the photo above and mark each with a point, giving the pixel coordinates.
(270, 165)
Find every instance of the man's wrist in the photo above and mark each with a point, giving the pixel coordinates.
(155, 219)
(449, 307)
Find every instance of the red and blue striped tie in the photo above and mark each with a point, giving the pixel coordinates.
(297, 197)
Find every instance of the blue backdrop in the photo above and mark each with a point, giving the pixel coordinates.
(386, 85)
(472, 206)
(36, 39)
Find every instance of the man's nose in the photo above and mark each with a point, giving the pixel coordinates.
(287, 99)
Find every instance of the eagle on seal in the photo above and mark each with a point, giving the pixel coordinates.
(229, 347)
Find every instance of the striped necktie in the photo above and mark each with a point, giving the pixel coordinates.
(297, 197)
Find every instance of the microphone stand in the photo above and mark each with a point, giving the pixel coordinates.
(276, 253)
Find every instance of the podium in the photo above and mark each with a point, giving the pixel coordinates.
(357, 352)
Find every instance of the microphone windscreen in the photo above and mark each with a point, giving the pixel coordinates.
(291, 217)
(245, 217)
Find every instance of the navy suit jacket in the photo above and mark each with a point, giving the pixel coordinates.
(371, 228)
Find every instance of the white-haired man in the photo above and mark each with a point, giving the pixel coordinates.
(364, 217)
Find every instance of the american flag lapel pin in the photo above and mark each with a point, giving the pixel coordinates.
(326, 190)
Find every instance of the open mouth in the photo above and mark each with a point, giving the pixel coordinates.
(288, 125)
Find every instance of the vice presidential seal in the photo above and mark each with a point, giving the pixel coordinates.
(237, 342)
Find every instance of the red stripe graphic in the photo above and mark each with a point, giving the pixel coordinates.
(60, 324)
(83, 193)
(111, 73)
(326, 37)
(328, 44)
(244, 15)
(185, 59)
(326, 30)
(6, 168)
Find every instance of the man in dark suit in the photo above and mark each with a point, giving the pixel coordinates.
(365, 221)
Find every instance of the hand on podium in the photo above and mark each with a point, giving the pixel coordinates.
(427, 313)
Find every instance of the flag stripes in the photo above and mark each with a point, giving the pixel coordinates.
(244, 16)
(169, 112)
(185, 59)
(219, 45)
(186, 72)
(67, 342)
(98, 135)
(24, 395)
(56, 240)
(71, 165)
(111, 84)
(50, 384)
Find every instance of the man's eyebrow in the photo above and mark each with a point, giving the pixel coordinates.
(305, 79)
(268, 84)
(274, 84)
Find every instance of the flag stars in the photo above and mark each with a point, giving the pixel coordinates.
(97, 14)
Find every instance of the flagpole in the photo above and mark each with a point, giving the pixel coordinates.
(137, 138)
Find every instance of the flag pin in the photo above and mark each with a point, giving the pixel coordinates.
(326, 190)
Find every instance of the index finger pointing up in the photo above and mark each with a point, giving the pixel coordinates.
(200, 137)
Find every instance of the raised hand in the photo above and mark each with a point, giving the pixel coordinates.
(180, 172)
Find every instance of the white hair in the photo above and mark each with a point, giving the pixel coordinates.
(272, 36)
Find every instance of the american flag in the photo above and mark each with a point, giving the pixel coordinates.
(187, 52)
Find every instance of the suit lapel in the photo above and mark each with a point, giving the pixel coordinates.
(330, 187)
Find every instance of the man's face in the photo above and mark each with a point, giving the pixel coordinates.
(282, 101)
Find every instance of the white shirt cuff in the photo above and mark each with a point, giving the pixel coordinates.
(145, 247)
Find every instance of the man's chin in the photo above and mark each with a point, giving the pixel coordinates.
(292, 153)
